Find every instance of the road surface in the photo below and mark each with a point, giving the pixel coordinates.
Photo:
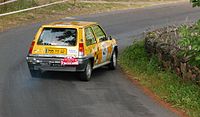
(108, 94)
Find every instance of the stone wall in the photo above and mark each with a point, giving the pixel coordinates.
(163, 44)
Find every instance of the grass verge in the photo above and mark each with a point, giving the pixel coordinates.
(55, 12)
(59, 11)
(23, 4)
(18, 5)
(141, 0)
(3, 1)
(165, 84)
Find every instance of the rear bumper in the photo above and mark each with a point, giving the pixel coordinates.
(54, 64)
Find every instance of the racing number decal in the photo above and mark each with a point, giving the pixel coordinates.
(95, 51)
(109, 52)
(96, 58)
(104, 52)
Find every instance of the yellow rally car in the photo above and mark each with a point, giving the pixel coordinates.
(72, 46)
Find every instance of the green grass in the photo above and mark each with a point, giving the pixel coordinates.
(18, 5)
(165, 84)
(23, 4)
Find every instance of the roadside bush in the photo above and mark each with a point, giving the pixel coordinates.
(190, 44)
(195, 2)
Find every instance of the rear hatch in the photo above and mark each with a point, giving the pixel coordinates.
(56, 42)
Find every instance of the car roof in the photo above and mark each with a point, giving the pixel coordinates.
(71, 24)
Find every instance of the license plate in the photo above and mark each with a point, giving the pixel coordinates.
(56, 51)
(69, 61)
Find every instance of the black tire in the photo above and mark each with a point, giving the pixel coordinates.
(86, 75)
(113, 61)
(35, 73)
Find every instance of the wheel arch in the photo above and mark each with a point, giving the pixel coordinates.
(115, 50)
(91, 59)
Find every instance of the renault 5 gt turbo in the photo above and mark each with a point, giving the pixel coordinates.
(76, 46)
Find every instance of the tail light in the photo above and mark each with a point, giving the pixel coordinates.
(81, 49)
(31, 48)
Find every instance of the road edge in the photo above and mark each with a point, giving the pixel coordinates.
(152, 95)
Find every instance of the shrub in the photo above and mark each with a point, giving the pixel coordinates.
(190, 43)
(195, 2)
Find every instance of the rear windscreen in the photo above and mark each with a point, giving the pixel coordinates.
(58, 37)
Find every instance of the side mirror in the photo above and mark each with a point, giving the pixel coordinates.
(109, 37)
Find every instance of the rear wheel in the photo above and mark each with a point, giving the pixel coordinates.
(113, 62)
(86, 75)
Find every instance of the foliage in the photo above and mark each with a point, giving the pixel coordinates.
(190, 43)
(165, 84)
(183, 41)
(195, 3)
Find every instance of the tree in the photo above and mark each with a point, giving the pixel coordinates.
(196, 3)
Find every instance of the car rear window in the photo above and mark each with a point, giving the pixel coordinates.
(58, 37)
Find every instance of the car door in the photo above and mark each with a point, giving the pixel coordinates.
(104, 44)
(91, 44)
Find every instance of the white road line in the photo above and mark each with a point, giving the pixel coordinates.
(28, 9)
(68, 18)
(10, 1)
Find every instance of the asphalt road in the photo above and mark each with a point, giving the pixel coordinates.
(108, 94)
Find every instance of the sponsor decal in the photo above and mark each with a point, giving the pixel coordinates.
(69, 61)
(71, 51)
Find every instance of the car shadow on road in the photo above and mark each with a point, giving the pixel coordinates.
(70, 76)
